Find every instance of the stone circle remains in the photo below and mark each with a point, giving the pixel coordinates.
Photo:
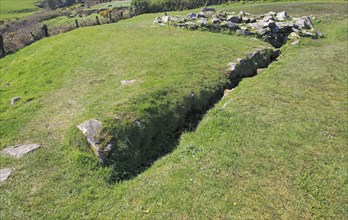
(275, 28)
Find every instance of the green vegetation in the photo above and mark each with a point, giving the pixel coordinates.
(278, 149)
(150, 6)
(17, 8)
(113, 4)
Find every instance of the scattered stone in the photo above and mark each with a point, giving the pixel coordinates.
(165, 19)
(91, 129)
(157, 20)
(192, 16)
(127, 82)
(282, 16)
(215, 20)
(230, 25)
(227, 92)
(15, 100)
(5, 173)
(295, 43)
(205, 9)
(234, 19)
(20, 150)
(275, 28)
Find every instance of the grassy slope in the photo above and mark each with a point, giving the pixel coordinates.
(125, 3)
(278, 150)
(7, 8)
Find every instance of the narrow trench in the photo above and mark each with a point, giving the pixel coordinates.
(247, 67)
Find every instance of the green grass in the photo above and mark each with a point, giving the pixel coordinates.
(277, 150)
(17, 8)
(113, 4)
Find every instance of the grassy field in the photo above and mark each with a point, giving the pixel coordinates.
(277, 150)
(113, 4)
(17, 8)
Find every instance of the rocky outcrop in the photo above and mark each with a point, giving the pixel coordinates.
(273, 27)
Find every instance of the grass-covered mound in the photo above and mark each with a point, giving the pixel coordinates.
(276, 150)
(17, 8)
(77, 77)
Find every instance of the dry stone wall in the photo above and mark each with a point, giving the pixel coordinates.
(275, 28)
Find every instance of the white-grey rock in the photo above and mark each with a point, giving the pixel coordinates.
(295, 43)
(234, 19)
(15, 99)
(215, 20)
(20, 150)
(165, 19)
(227, 92)
(127, 82)
(304, 22)
(157, 20)
(5, 173)
(294, 35)
(192, 16)
(91, 129)
(282, 16)
(203, 22)
(205, 9)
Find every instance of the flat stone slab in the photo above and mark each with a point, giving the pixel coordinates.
(128, 82)
(20, 150)
(91, 129)
(5, 173)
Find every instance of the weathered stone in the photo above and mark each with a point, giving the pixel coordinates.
(234, 19)
(305, 33)
(5, 173)
(91, 129)
(192, 16)
(215, 20)
(227, 92)
(294, 35)
(205, 9)
(268, 18)
(20, 150)
(204, 15)
(263, 31)
(15, 100)
(230, 25)
(127, 82)
(191, 25)
(157, 20)
(295, 43)
(245, 19)
(165, 19)
(203, 22)
(282, 16)
(304, 22)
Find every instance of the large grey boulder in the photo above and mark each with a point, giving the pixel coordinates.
(20, 150)
(5, 173)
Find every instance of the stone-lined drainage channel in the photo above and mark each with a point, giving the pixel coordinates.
(131, 146)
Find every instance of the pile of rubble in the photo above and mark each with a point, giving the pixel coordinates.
(275, 28)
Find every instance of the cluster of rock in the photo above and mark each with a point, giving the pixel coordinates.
(276, 28)
(17, 152)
